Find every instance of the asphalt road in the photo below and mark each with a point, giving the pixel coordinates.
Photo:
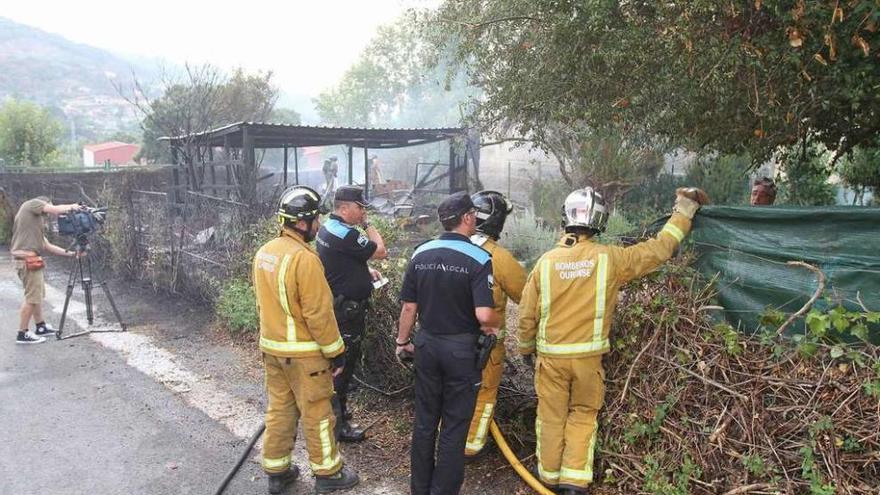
(77, 419)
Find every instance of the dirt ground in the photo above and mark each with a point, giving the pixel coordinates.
(187, 330)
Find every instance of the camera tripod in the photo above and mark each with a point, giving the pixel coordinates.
(81, 272)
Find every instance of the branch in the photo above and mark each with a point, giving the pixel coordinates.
(477, 25)
(749, 488)
(819, 290)
(708, 381)
(506, 140)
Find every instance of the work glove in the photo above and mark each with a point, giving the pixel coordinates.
(688, 200)
(529, 359)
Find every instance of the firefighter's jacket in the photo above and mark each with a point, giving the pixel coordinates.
(571, 293)
(509, 276)
(294, 300)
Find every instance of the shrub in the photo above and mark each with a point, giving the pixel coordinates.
(546, 197)
(526, 238)
(237, 307)
(6, 216)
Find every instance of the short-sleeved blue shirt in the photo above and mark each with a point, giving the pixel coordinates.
(447, 278)
(344, 252)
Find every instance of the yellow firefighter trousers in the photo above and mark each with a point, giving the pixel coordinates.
(570, 394)
(299, 388)
(486, 399)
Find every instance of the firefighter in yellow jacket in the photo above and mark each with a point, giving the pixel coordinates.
(510, 277)
(302, 348)
(565, 315)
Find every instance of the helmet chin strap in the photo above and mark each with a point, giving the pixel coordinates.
(306, 234)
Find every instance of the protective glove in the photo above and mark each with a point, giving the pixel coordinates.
(529, 359)
(688, 200)
(695, 194)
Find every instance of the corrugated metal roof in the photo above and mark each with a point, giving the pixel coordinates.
(293, 130)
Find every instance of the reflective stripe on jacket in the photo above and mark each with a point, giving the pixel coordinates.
(571, 294)
(509, 275)
(294, 300)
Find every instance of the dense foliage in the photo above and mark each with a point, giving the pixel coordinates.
(743, 76)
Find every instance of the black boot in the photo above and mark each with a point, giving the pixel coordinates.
(343, 480)
(277, 482)
(571, 490)
(349, 432)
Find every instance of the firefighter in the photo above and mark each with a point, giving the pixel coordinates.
(492, 209)
(302, 348)
(565, 315)
(448, 287)
(344, 252)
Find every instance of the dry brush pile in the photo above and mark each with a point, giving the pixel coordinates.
(692, 406)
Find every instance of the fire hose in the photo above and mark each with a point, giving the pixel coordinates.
(514, 462)
(496, 434)
(406, 360)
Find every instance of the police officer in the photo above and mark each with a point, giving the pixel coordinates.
(448, 286)
(492, 209)
(565, 315)
(344, 251)
(301, 348)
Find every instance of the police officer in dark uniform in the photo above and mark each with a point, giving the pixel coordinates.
(344, 251)
(448, 286)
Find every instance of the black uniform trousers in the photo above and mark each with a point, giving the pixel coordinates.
(447, 382)
(352, 332)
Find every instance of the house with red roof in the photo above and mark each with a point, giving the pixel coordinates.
(114, 152)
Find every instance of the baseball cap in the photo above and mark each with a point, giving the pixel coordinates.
(455, 205)
(351, 193)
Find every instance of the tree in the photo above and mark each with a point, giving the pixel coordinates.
(861, 171)
(29, 135)
(200, 99)
(394, 83)
(285, 116)
(732, 77)
(805, 182)
(723, 177)
(609, 162)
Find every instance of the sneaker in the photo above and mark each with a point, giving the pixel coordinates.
(29, 338)
(45, 329)
(343, 480)
(278, 482)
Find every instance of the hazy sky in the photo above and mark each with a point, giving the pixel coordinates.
(307, 44)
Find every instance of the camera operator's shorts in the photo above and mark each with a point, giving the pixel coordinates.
(32, 280)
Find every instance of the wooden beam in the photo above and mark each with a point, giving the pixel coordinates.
(366, 174)
(285, 166)
(296, 165)
(350, 166)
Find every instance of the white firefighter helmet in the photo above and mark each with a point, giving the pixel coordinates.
(584, 209)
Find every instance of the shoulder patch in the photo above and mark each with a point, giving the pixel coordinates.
(336, 228)
(363, 240)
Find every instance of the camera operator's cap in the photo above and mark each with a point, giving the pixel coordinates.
(454, 206)
(351, 193)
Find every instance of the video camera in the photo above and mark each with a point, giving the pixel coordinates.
(81, 223)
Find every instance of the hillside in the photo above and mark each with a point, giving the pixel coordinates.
(72, 79)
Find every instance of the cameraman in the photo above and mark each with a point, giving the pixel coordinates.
(28, 243)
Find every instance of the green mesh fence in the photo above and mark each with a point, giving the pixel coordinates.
(747, 249)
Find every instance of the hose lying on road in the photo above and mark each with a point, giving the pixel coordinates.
(514, 462)
(496, 434)
(241, 459)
